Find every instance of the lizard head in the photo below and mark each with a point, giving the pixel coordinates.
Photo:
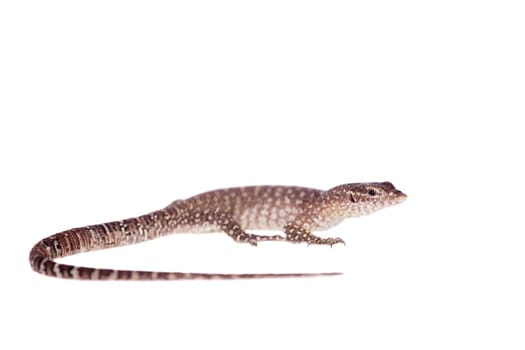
(364, 198)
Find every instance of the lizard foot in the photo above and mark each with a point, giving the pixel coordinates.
(326, 241)
(247, 238)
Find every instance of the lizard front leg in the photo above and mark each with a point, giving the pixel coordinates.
(297, 233)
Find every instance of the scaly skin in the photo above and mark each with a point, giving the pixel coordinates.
(297, 211)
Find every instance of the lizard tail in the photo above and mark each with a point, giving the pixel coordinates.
(49, 267)
(108, 235)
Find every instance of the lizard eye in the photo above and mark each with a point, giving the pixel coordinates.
(372, 192)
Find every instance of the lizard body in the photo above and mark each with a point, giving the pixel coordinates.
(297, 211)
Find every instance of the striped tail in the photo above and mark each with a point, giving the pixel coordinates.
(49, 267)
(116, 234)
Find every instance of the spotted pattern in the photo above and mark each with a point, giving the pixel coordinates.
(297, 211)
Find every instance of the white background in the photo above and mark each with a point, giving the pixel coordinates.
(111, 109)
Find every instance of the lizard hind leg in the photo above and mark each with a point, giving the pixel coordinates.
(298, 234)
(233, 229)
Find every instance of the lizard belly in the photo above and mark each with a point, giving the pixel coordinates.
(266, 217)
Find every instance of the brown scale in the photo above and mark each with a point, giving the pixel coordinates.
(296, 211)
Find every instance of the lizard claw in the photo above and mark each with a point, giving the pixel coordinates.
(338, 240)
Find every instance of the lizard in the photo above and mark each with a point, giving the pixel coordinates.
(297, 211)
